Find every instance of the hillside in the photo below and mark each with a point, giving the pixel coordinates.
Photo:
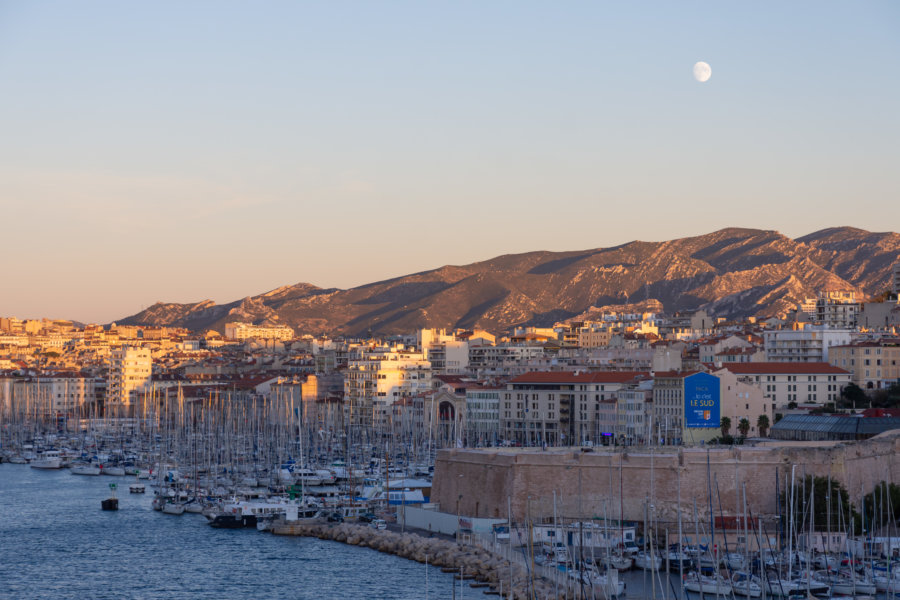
(733, 272)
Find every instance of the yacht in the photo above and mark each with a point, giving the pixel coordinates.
(51, 459)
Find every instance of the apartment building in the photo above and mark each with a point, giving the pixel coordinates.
(562, 408)
(483, 416)
(837, 309)
(245, 331)
(379, 376)
(807, 344)
(688, 406)
(634, 408)
(801, 383)
(130, 370)
(872, 364)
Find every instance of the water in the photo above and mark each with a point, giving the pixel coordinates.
(55, 542)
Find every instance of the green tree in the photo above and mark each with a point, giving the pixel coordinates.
(853, 395)
(762, 424)
(744, 426)
(881, 508)
(813, 492)
(725, 425)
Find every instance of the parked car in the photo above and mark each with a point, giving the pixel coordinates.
(378, 524)
(335, 517)
(367, 517)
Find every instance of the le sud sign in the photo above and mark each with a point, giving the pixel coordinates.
(701, 401)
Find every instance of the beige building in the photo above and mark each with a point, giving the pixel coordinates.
(244, 331)
(688, 406)
(130, 370)
(872, 364)
(801, 383)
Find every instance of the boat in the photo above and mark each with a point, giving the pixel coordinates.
(706, 584)
(782, 588)
(647, 560)
(112, 470)
(745, 584)
(84, 469)
(51, 459)
(173, 508)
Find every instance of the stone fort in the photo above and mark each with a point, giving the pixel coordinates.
(624, 482)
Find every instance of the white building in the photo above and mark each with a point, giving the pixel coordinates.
(837, 309)
(130, 369)
(634, 408)
(378, 377)
(803, 383)
(483, 416)
(809, 344)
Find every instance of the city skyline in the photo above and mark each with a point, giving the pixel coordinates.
(178, 153)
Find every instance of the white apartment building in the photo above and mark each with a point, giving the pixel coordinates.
(803, 383)
(67, 391)
(483, 416)
(809, 344)
(130, 370)
(245, 331)
(378, 377)
(487, 361)
(634, 407)
(450, 357)
(837, 309)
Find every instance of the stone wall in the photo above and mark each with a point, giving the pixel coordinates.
(484, 482)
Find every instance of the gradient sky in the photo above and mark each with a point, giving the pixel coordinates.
(179, 151)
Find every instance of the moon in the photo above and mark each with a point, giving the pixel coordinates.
(702, 72)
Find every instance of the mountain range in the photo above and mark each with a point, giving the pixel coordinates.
(733, 272)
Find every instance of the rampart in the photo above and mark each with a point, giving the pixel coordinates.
(623, 483)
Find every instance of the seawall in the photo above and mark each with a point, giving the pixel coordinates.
(618, 483)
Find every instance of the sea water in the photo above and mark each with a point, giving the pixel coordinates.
(56, 542)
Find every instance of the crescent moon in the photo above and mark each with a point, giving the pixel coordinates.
(702, 72)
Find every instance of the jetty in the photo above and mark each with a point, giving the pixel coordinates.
(501, 576)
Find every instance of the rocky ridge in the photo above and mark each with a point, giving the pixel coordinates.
(733, 272)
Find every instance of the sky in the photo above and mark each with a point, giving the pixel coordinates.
(179, 151)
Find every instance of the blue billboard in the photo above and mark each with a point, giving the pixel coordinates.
(701, 401)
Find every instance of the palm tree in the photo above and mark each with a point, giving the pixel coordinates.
(762, 424)
(744, 427)
(726, 426)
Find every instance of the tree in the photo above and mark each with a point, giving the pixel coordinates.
(725, 425)
(881, 508)
(762, 424)
(744, 427)
(834, 503)
(852, 395)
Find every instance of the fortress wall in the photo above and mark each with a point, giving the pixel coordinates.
(614, 483)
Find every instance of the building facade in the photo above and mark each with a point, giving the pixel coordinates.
(130, 370)
(809, 344)
(872, 364)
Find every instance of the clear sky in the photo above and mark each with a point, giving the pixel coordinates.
(179, 151)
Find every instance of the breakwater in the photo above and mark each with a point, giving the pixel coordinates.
(473, 563)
